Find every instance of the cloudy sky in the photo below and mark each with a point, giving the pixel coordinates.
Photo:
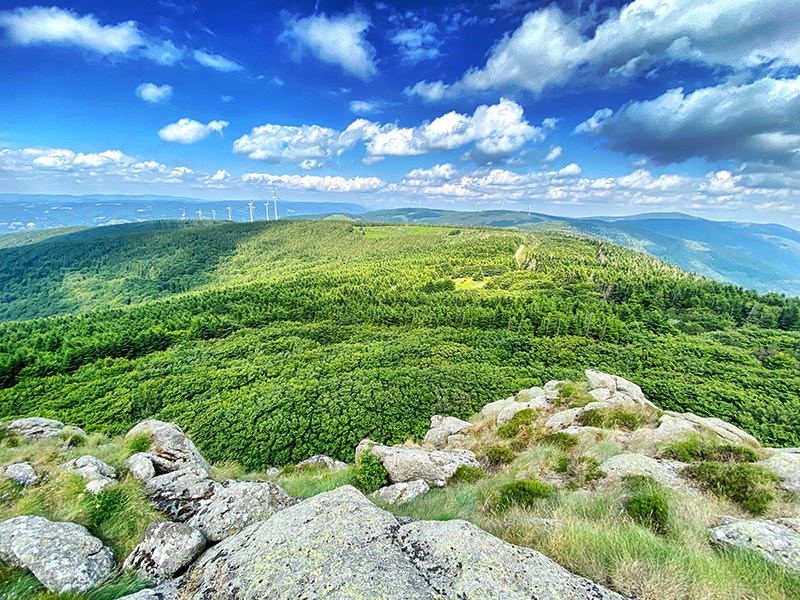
(570, 107)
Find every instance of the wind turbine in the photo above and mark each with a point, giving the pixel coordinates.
(266, 209)
(183, 214)
(251, 210)
(275, 201)
(200, 214)
(213, 215)
(229, 214)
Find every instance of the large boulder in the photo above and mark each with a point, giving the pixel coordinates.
(180, 494)
(404, 463)
(510, 410)
(97, 473)
(564, 418)
(64, 557)
(786, 465)
(321, 460)
(400, 493)
(39, 428)
(236, 504)
(165, 549)
(775, 542)
(170, 449)
(491, 410)
(598, 379)
(339, 544)
(441, 430)
(23, 473)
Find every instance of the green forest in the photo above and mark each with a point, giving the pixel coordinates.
(270, 342)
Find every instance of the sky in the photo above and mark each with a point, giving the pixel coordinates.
(572, 108)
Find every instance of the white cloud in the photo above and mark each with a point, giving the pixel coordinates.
(417, 43)
(554, 154)
(335, 40)
(551, 48)
(40, 25)
(757, 121)
(189, 131)
(431, 91)
(495, 131)
(361, 107)
(150, 92)
(316, 182)
(216, 62)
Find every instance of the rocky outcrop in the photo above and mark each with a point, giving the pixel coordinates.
(180, 494)
(619, 390)
(64, 557)
(170, 450)
(664, 472)
(400, 493)
(341, 541)
(236, 504)
(321, 460)
(166, 591)
(503, 411)
(39, 428)
(491, 410)
(673, 425)
(165, 549)
(775, 542)
(404, 463)
(564, 418)
(786, 465)
(23, 473)
(97, 473)
(441, 430)
(141, 466)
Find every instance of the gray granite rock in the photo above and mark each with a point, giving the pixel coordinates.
(441, 430)
(400, 493)
(23, 473)
(170, 449)
(775, 542)
(165, 549)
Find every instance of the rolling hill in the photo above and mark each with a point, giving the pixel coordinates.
(764, 257)
(274, 341)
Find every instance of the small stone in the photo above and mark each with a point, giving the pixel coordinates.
(23, 473)
(400, 493)
(141, 466)
(324, 461)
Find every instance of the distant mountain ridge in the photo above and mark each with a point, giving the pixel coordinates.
(764, 257)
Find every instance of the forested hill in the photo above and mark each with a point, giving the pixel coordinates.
(764, 257)
(274, 341)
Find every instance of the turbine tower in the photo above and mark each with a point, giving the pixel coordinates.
(183, 214)
(229, 214)
(266, 209)
(213, 215)
(275, 200)
(251, 210)
(200, 214)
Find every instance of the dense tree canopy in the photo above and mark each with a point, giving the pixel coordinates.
(275, 341)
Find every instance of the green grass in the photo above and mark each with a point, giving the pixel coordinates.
(616, 417)
(751, 486)
(697, 448)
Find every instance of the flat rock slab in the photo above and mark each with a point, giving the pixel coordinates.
(775, 542)
(404, 463)
(64, 557)
(165, 549)
(786, 465)
(400, 493)
(39, 428)
(340, 545)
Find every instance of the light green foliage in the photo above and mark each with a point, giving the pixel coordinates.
(370, 474)
(697, 448)
(522, 493)
(615, 417)
(138, 443)
(751, 486)
(467, 474)
(268, 343)
(499, 455)
(518, 421)
(561, 440)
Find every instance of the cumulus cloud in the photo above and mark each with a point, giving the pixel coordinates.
(417, 43)
(189, 131)
(216, 62)
(39, 25)
(554, 154)
(361, 107)
(551, 48)
(150, 92)
(338, 40)
(495, 132)
(757, 121)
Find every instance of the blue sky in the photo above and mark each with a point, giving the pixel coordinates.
(573, 108)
